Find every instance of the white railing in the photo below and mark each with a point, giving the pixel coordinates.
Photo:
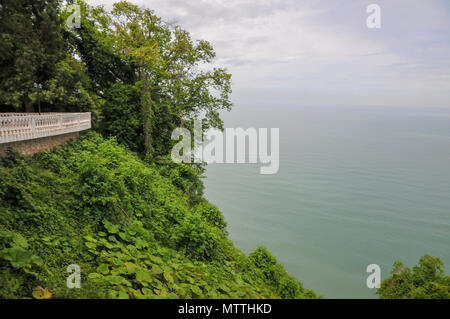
(16, 127)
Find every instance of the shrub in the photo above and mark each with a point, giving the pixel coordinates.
(134, 230)
(425, 281)
(197, 238)
(210, 213)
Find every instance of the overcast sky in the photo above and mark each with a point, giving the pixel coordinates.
(318, 52)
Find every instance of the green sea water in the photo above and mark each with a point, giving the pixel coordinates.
(356, 186)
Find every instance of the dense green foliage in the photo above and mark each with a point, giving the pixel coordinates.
(139, 76)
(31, 47)
(136, 223)
(34, 49)
(426, 281)
(151, 77)
(132, 228)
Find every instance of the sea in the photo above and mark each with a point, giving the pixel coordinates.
(356, 186)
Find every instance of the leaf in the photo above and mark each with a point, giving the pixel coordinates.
(37, 260)
(136, 294)
(90, 238)
(173, 296)
(103, 269)
(110, 227)
(46, 239)
(107, 244)
(162, 292)
(90, 245)
(156, 270)
(41, 293)
(168, 276)
(156, 260)
(130, 266)
(140, 243)
(20, 241)
(95, 275)
(124, 236)
(117, 280)
(143, 276)
(196, 290)
(18, 257)
(148, 292)
(123, 295)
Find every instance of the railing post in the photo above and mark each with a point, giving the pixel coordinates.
(60, 122)
(33, 126)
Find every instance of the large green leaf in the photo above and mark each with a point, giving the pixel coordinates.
(18, 257)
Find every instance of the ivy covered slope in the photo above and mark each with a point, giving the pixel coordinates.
(131, 227)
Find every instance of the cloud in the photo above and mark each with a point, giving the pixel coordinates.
(321, 52)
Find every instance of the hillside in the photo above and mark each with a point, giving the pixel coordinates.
(133, 228)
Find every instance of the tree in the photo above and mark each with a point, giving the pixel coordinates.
(132, 46)
(34, 47)
(426, 281)
(121, 117)
(32, 44)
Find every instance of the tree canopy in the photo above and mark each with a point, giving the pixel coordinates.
(140, 76)
(164, 77)
(426, 280)
(31, 46)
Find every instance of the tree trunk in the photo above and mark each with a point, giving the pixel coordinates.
(147, 114)
(29, 108)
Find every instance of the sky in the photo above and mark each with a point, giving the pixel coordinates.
(321, 52)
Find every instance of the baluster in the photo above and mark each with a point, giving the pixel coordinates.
(33, 127)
